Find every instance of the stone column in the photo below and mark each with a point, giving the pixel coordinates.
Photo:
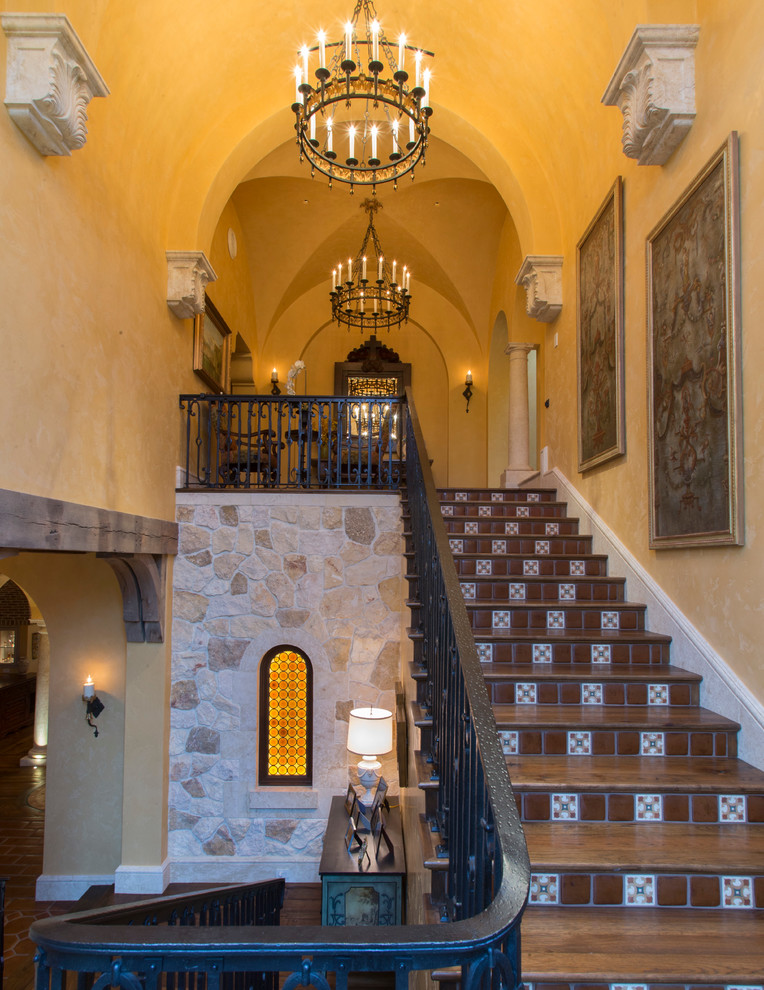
(38, 754)
(519, 468)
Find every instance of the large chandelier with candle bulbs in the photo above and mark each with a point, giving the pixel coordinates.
(358, 118)
(369, 292)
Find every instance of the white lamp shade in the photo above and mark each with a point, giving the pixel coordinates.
(370, 731)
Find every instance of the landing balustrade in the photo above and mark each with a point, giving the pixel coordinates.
(209, 946)
(292, 442)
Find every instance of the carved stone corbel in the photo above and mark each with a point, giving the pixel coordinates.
(50, 80)
(654, 88)
(188, 273)
(142, 579)
(541, 276)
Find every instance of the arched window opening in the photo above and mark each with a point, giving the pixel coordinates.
(286, 717)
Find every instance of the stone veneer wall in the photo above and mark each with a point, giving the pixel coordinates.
(319, 572)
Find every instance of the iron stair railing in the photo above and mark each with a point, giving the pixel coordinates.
(488, 863)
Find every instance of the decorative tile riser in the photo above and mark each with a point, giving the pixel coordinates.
(632, 807)
(583, 693)
(516, 527)
(498, 510)
(504, 566)
(626, 742)
(502, 651)
(636, 891)
(525, 546)
(522, 495)
(525, 589)
(530, 616)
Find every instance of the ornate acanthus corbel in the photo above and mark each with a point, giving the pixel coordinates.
(50, 80)
(654, 88)
(541, 276)
(188, 273)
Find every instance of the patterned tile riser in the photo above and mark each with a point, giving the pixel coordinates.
(621, 694)
(603, 889)
(487, 495)
(520, 545)
(547, 591)
(582, 618)
(627, 742)
(529, 526)
(626, 807)
(502, 566)
(504, 510)
(619, 653)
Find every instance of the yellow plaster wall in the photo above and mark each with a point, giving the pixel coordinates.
(718, 589)
(80, 601)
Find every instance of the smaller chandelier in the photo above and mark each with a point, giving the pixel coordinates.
(370, 303)
(354, 124)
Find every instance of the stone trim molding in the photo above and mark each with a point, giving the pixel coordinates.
(68, 886)
(50, 80)
(654, 88)
(188, 273)
(142, 879)
(34, 522)
(142, 580)
(541, 276)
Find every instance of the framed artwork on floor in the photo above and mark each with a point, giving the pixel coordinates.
(599, 270)
(694, 390)
(212, 348)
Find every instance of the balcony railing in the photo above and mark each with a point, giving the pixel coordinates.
(488, 869)
(299, 442)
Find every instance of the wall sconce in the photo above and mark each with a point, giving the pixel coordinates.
(93, 704)
(370, 733)
(275, 390)
(467, 393)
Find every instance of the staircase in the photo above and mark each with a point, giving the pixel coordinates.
(645, 832)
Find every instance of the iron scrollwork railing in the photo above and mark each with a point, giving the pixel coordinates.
(299, 442)
(488, 863)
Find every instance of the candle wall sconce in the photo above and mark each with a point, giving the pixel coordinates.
(467, 393)
(275, 390)
(93, 704)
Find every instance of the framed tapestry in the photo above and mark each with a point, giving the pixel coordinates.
(599, 269)
(694, 394)
(212, 348)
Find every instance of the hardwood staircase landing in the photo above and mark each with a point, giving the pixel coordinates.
(645, 832)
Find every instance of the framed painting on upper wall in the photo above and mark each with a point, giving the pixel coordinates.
(212, 348)
(599, 269)
(694, 394)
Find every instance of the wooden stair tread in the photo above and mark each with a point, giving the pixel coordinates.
(644, 944)
(655, 718)
(430, 841)
(524, 556)
(564, 604)
(541, 579)
(648, 774)
(649, 673)
(646, 847)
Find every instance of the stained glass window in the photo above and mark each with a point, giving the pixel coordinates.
(285, 717)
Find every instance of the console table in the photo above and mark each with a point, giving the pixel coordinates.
(373, 895)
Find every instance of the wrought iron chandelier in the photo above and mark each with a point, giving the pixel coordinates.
(353, 124)
(370, 303)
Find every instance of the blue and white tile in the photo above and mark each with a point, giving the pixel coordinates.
(737, 892)
(498, 546)
(469, 590)
(510, 742)
(530, 567)
(552, 529)
(457, 546)
(512, 528)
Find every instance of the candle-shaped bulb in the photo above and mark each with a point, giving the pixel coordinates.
(350, 270)
(426, 97)
(360, 305)
(329, 123)
(411, 130)
(305, 55)
(313, 128)
(395, 136)
(348, 41)
(333, 285)
(380, 261)
(363, 268)
(388, 301)
(418, 63)
(274, 375)
(408, 282)
(375, 40)
(351, 141)
(401, 51)
(468, 379)
(322, 49)
(88, 688)
(395, 265)
(374, 132)
(297, 84)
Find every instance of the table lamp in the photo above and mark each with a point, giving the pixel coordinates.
(370, 734)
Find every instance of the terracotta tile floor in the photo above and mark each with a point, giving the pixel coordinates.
(22, 816)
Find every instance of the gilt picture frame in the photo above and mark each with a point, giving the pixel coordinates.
(600, 342)
(212, 348)
(694, 373)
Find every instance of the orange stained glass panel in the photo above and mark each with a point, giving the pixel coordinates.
(287, 716)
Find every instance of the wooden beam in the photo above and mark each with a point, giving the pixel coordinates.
(33, 522)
